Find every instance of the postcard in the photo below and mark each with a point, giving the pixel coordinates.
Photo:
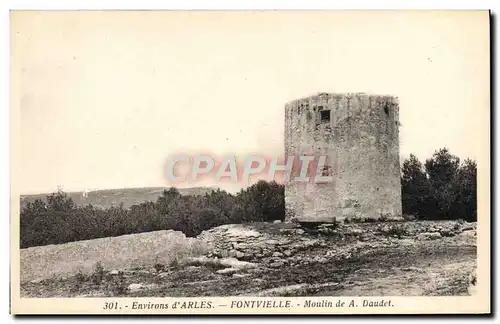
(250, 162)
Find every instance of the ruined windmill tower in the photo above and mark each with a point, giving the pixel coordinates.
(359, 134)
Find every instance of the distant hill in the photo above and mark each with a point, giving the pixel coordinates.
(113, 197)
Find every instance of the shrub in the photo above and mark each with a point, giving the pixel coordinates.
(118, 285)
(97, 275)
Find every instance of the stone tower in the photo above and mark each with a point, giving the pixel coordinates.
(359, 134)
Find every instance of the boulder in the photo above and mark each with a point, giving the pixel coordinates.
(277, 264)
(240, 246)
(236, 254)
(447, 233)
(237, 264)
(227, 271)
(135, 287)
(322, 260)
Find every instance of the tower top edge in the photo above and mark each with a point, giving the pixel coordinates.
(322, 95)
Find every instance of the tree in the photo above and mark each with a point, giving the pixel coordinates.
(60, 202)
(443, 188)
(263, 201)
(415, 187)
(442, 170)
(34, 208)
(465, 206)
(166, 198)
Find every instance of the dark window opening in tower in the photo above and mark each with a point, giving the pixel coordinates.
(325, 115)
(327, 171)
(386, 109)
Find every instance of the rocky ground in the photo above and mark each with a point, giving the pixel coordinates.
(285, 259)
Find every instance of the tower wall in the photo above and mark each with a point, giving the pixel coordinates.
(359, 134)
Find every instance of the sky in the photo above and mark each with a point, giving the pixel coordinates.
(102, 99)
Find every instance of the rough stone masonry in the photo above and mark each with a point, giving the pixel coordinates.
(359, 134)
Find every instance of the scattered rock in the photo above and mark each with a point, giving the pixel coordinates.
(412, 269)
(447, 233)
(241, 232)
(114, 272)
(236, 254)
(227, 271)
(277, 254)
(429, 236)
(277, 221)
(151, 286)
(247, 256)
(356, 231)
(135, 287)
(277, 264)
(299, 231)
(364, 271)
(237, 264)
(468, 227)
(240, 246)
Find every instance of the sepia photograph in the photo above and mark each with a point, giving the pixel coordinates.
(271, 162)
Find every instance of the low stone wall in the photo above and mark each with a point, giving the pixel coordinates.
(244, 242)
(143, 249)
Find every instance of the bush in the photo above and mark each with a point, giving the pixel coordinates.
(98, 274)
